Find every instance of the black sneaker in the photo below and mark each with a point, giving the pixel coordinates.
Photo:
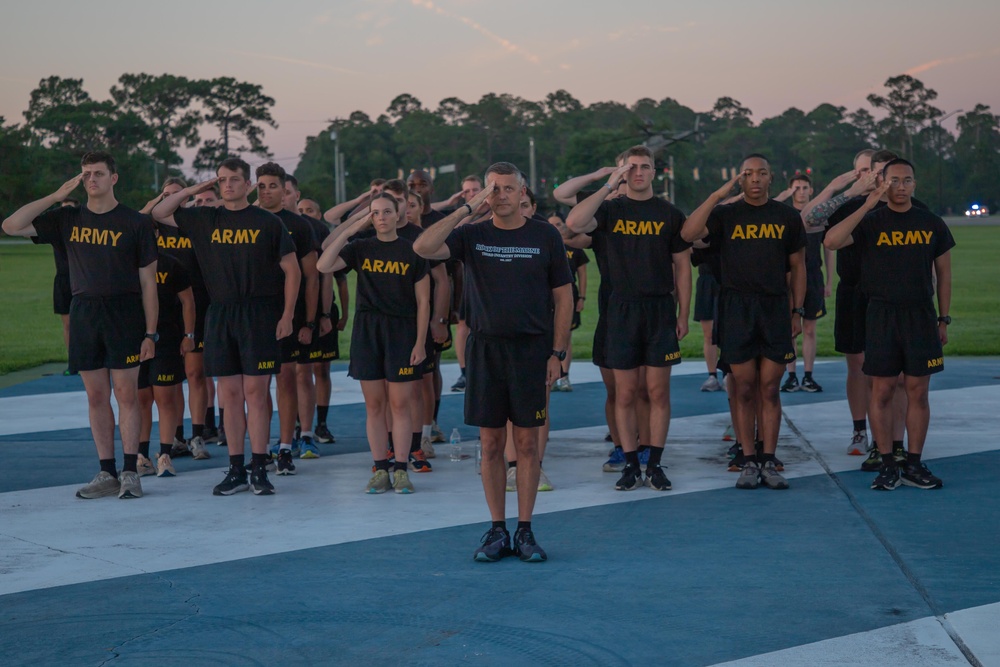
(874, 460)
(323, 434)
(737, 462)
(222, 437)
(608, 437)
(235, 481)
(888, 478)
(459, 383)
(791, 385)
(810, 385)
(259, 483)
(778, 465)
(210, 435)
(918, 475)
(734, 450)
(656, 479)
(495, 545)
(526, 548)
(630, 480)
(899, 453)
(285, 465)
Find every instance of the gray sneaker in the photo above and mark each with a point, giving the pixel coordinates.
(198, 450)
(103, 484)
(749, 476)
(130, 486)
(711, 384)
(771, 478)
(379, 483)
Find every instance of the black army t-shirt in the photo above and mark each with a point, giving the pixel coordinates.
(754, 243)
(576, 258)
(387, 272)
(640, 237)
(172, 242)
(898, 252)
(305, 240)
(510, 275)
(239, 251)
(105, 250)
(171, 280)
(428, 219)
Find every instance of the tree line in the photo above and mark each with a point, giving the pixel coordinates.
(148, 118)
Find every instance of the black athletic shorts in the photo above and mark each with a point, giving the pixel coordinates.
(107, 332)
(849, 320)
(432, 360)
(200, 312)
(600, 339)
(294, 352)
(441, 347)
(815, 301)
(239, 338)
(706, 297)
(755, 325)
(506, 380)
(326, 348)
(644, 334)
(901, 339)
(62, 294)
(381, 347)
(166, 370)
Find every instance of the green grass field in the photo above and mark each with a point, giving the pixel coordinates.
(31, 335)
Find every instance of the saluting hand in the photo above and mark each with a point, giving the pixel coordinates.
(66, 188)
(724, 191)
(617, 176)
(204, 186)
(862, 185)
(845, 179)
(876, 195)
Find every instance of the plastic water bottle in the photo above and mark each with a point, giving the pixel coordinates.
(456, 445)
(479, 458)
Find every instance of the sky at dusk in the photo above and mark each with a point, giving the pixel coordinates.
(323, 60)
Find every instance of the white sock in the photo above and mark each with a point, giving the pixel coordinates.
(285, 445)
(306, 434)
(425, 431)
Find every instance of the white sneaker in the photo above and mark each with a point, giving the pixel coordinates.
(543, 481)
(859, 444)
(427, 448)
(164, 466)
(711, 384)
(198, 450)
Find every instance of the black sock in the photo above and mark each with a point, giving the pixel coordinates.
(764, 458)
(108, 466)
(715, 374)
(222, 418)
(539, 464)
(523, 525)
(792, 376)
(512, 464)
(210, 417)
(860, 425)
(415, 442)
(165, 448)
(655, 453)
(500, 524)
(400, 465)
(807, 374)
(888, 460)
(197, 430)
(321, 413)
(437, 406)
(462, 369)
(236, 461)
(144, 448)
(382, 464)
(179, 432)
(131, 460)
(632, 459)
(912, 459)
(897, 444)
(259, 460)
(642, 448)
(389, 442)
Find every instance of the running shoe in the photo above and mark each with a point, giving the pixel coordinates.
(919, 476)
(771, 478)
(180, 448)
(888, 478)
(859, 444)
(810, 385)
(874, 460)
(460, 383)
(379, 482)
(526, 548)
(616, 462)
(259, 483)
(791, 385)
(711, 384)
(738, 461)
(427, 448)
(511, 480)
(164, 466)
(630, 480)
(419, 462)
(749, 476)
(103, 484)
(656, 479)
(608, 438)
(729, 435)
(494, 545)
(274, 450)
(543, 481)
(144, 466)
(130, 487)
(436, 434)
(286, 466)
(235, 481)
(323, 434)
(222, 437)
(401, 482)
(210, 435)
(198, 450)
(307, 448)
(899, 453)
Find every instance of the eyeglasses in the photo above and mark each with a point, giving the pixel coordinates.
(896, 182)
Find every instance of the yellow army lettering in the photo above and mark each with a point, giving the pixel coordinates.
(384, 266)
(94, 236)
(540, 414)
(173, 242)
(235, 237)
(316, 355)
(935, 363)
(164, 378)
(909, 238)
(789, 356)
(406, 371)
(765, 231)
(265, 366)
(132, 359)
(641, 228)
(161, 277)
(670, 356)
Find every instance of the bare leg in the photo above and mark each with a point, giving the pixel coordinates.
(658, 386)
(288, 403)
(256, 392)
(526, 441)
(401, 396)
(233, 401)
(494, 471)
(918, 412)
(306, 396)
(194, 368)
(880, 412)
(899, 409)
(126, 385)
(642, 408)
(170, 409)
(769, 379)
(626, 396)
(609, 404)
(708, 349)
(808, 345)
(146, 413)
(376, 401)
(744, 398)
(857, 387)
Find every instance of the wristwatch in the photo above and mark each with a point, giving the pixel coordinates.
(945, 319)
(310, 325)
(442, 320)
(155, 337)
(559, 354)
(189, 335)
(801, 312)
(326, 315)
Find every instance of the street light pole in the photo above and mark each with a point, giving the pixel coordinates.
(336, 165)
(940, 159)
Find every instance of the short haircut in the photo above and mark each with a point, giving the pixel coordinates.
(505, 169)
(376, 183)
(424, 173)
(557, 215)
(235, 164)
(294, 181)
(474, 178)
(638, 151)
(175, 180)
(883, 156)
(755, 156)
(94, 157)
(868, 152)
(799, 177)
(397, 186)
(272, 169)
(387, 196)
(306, 200)
(896, 162)
(531, 197)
